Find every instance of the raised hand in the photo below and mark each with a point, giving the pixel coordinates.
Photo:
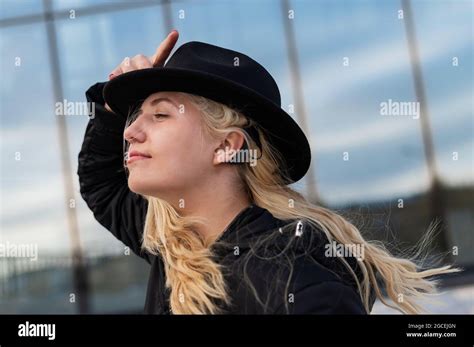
(141, 61)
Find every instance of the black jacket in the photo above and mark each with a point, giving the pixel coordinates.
(317, 284)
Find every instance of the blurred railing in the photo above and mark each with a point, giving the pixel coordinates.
(45, 285)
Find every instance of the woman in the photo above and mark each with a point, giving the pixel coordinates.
(203, 194)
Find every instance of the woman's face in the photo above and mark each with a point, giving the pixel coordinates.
(176, 154)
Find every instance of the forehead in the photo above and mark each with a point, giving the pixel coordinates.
(156, 98)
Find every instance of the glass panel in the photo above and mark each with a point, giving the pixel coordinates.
(75, 4)
(32, 197)
(14, 8)
(353, 58)
(447, 60)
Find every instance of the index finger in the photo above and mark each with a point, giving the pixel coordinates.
(164, 49)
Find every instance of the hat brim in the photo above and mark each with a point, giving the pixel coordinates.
(283, 133)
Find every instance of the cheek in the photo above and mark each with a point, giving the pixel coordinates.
(180, 156)
(190, 154)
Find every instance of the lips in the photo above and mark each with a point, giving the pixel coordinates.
(136, 155)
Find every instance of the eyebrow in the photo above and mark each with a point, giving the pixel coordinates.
(157, 101)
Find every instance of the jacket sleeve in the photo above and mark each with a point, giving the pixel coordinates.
(102, 178)
(331, 297)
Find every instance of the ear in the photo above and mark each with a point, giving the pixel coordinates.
(228, 148)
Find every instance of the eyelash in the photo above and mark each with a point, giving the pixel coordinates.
(160, 115)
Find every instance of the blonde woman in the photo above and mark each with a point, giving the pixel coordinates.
(188, 163)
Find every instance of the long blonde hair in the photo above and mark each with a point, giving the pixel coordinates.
(196, 280)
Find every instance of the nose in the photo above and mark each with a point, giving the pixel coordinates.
(133, 133)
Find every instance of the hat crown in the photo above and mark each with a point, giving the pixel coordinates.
(232, 65)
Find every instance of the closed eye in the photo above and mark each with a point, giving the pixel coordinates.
(160, 115)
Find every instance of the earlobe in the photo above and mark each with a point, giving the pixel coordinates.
(224, 155)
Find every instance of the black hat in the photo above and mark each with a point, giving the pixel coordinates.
(225, 76)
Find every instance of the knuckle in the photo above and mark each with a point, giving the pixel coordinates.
(139, 57)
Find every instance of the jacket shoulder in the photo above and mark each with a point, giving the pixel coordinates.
(292, 266)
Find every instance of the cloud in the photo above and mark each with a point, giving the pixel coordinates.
(373, 62)
(383, 187)
(452, 110)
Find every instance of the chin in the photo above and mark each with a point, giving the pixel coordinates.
(144, 188)
(138, 187)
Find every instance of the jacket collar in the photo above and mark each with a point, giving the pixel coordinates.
(250, 223)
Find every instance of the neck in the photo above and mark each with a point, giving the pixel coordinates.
(218, 205)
